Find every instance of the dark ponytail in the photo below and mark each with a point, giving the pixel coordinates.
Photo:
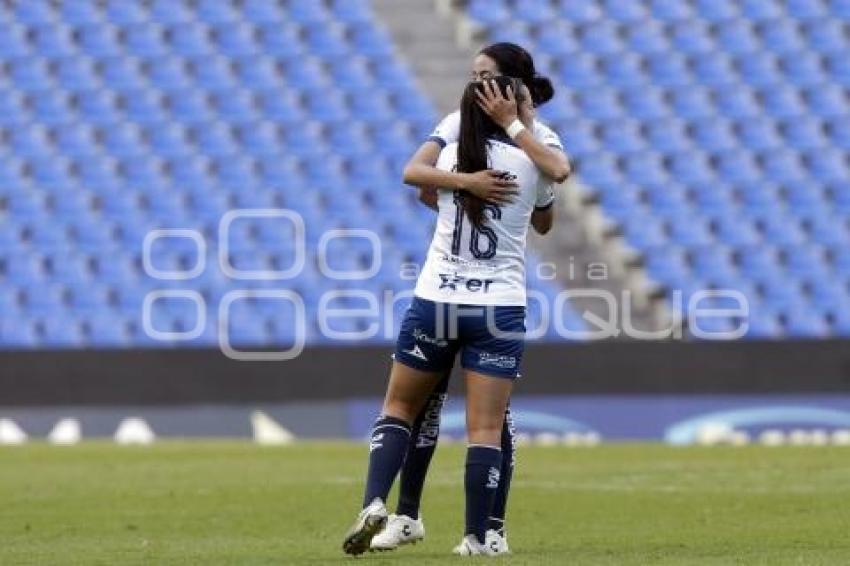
(514, 61)
(541, 89)
(476, 129)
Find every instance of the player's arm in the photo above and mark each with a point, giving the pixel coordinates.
(488, 184)
(429, 196)
(543, 215)
(542, 219)
(551, 161)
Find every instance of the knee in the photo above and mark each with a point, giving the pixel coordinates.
(400, 409)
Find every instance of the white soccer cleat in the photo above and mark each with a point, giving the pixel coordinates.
(470, 546)
(369, 522)
(400, 530)
(496, 542)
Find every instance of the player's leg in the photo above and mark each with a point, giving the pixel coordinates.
(423, 443)
(407, 391)
(491, 357)
(406, 394)
(418, 367)
(405, 526)
(486, 401)
(496, 533)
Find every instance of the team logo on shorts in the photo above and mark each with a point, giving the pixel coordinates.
(416, 352)
(495, 360)
(421, 336)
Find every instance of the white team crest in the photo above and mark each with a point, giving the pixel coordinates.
(493, 478)
(416, 351)
(375, 441)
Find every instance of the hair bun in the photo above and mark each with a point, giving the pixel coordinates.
(541, 89)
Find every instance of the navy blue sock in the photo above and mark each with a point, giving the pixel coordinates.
(497, 517)
(387, 447)
(423, 443)
(481, 482)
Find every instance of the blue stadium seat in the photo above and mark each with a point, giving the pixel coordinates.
(623, 69)
(167, 73)
(29, 74)
(260, 73)
(670, 10)
(826, 100)
(717, 10)
(625, 11)
(189, 39)
(212, 73)
(534, 12)
(784, 102)
(96, 106)
(557, 39)
(282, 41)
(167, 12)
(805, 9)
(580, 11)
(740, 102)
(803, 68)
(235, 40)
(190, 106)
(50, 41)
(212, 12)
(600, 38)
(761, 10)
(840, 9)
(759, 133)
(580, 71)
(646, 37)
(602, 104)
(713, 69)
(645, 103)
(620, 135)
(713, 135)
(825, 36)
(668, 70)
(805, 133)
(838, 68)
(691, 37)
(33, 13)
(148, 106)
(79, 13)
(690, 167)
(781, 36)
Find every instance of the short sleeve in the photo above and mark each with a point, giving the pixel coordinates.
(545, 194)
(448, 158)
(447, 131)
(545, 135)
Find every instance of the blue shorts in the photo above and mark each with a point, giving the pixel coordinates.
(490, 339)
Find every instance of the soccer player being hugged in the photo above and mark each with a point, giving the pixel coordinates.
(469, 300)
(542, 146)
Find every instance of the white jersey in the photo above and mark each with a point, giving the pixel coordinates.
(448, 131)
(484, 266)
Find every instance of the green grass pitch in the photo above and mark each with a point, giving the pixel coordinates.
(231, 503)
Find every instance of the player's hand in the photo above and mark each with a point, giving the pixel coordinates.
(501, 110)
(491, 185)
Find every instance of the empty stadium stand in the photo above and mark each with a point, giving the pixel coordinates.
(716, 133)
(120, 117)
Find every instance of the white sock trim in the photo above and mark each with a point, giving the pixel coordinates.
(499, 448)
(405, 429)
